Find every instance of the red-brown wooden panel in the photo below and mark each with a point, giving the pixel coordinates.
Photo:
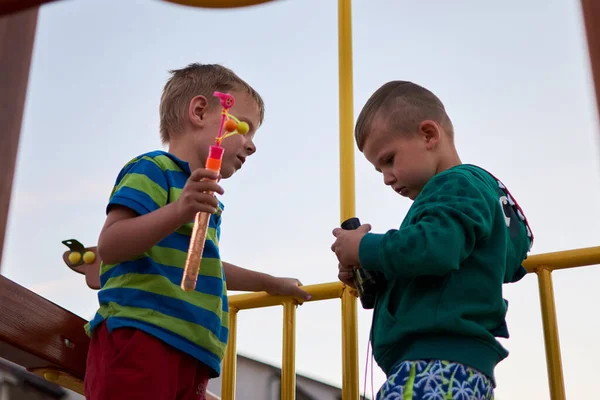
(36, 333)
(591, 17)
(14, 6)
(17, 34)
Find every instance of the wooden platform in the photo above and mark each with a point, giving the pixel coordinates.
(42, 336)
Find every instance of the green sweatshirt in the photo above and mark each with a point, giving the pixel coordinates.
(444, 269)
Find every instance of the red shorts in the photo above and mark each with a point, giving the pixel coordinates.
(131, 364)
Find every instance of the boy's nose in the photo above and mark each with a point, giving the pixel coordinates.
(388, 179)
(250, 148)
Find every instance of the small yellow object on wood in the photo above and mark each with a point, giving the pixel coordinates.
(89, 257)
(74, 257)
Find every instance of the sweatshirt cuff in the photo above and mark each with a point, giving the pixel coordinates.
(369, 251)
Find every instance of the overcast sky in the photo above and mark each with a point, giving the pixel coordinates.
(514, 76)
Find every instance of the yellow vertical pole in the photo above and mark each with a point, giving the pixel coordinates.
(553, 359)
(350, 389)
(346, 110)
(230, 361)
(288, 367)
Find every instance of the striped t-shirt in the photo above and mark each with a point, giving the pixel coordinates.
(145, 292)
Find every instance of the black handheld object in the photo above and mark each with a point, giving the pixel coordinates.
(368, 283)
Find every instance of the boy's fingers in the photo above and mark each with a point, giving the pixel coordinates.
(336, 232)
(203, 173)
(206, 186)
(344, 268)
(344, 275)
(302, 293)
(299, 292)
(203, 207)
(212, 187)
(347, 281)
(365, 228)
(205, 198)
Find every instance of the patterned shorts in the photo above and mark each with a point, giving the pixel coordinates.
(435, 380)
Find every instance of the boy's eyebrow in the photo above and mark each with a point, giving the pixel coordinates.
(382, 156)
(381, 159)
(379, 162)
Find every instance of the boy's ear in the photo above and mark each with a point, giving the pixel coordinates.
(430, 132)
(197, 109)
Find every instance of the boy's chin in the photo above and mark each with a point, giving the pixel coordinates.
(227, 171)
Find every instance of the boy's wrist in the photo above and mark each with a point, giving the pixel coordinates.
(369, 251)
(175, 215)
(266, 282)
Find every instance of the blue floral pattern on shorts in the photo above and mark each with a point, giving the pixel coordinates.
(435, 380)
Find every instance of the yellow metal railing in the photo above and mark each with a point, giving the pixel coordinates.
(347, 202)
(325, 291)
(541, 264)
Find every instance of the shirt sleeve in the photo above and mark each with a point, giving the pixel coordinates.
(447, 219)
(141, 186)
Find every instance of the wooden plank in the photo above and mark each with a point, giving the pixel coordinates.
(17, 33)
(591, 19)
(15, 6)
(36, 333)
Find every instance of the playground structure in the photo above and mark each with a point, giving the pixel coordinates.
(49, 340)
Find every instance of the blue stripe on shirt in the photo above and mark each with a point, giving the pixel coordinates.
(139, 202)
(181, 242)
(169, 306)
(205, 284)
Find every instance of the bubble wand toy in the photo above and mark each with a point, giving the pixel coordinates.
(233, 126)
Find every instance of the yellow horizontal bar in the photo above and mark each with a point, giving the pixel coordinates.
(322, 291)
(564, 259)
(332, 290)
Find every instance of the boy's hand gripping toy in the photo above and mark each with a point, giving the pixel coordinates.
(233, 126)
(368, 283)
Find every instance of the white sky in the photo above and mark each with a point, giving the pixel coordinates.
(513, 75)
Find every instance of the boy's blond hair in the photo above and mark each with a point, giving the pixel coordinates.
(191, 81)
(404, 105)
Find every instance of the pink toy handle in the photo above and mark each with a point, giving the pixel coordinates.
(227, 100)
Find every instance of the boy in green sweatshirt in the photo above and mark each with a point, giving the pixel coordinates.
(436, 321)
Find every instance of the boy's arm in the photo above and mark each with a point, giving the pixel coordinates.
(242, 279)
(450, 220)
(126, 235)
(139, 214)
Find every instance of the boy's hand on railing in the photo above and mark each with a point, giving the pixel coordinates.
(346, 275)
(286, 287)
